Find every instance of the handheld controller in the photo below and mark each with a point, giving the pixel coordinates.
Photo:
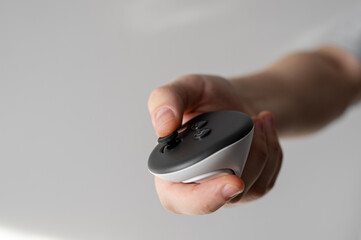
(205, 147)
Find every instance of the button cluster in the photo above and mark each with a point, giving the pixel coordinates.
(200, 131)
(172, 140)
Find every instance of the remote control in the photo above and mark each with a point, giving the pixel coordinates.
(207, 146)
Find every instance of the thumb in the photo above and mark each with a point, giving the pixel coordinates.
(167, 104)
(198, 199)
(166, 110)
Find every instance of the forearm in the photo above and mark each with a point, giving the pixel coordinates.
(304, 91)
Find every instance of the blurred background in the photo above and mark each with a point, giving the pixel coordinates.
(75, 134)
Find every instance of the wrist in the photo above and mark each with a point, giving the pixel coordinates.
(258, 92)
(347, 64)
(244, 96)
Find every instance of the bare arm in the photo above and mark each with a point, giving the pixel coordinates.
(304, 91)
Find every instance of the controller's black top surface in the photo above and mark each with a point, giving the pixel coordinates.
(197, 139)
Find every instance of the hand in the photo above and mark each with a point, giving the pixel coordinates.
(189, 96)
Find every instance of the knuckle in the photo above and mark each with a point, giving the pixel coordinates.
(206, 208)
(158, 91)
(191, 77)
(195, 80)
(169, 207)
(152, 96)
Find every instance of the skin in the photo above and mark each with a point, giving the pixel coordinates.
(298, 94)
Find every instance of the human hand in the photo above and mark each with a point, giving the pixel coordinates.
(183, 99)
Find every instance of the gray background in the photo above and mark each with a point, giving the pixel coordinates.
(75, 132)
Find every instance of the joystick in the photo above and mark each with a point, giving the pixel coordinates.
(207, 146)
(170, 141)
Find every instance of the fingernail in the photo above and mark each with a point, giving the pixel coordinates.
(268, 119)
(230, 191)
(164, 115)
(259, 125)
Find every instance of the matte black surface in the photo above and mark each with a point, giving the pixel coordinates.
(226, 127)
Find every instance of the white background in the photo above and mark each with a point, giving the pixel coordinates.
(75, 132)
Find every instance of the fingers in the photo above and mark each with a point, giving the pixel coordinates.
(262, 185)
(275, 150)
(257, 158)
(167, 104)
(272, 158)
(198, 199)
(166, 110)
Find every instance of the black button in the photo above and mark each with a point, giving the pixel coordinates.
(170, 146)
(170, 141)
(169, 138)
(202, 133)
(199, 125)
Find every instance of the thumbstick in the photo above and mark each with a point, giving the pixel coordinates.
(171, 141)
(168, 139)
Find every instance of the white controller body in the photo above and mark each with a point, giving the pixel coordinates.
(208, 146)
(229, 160)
